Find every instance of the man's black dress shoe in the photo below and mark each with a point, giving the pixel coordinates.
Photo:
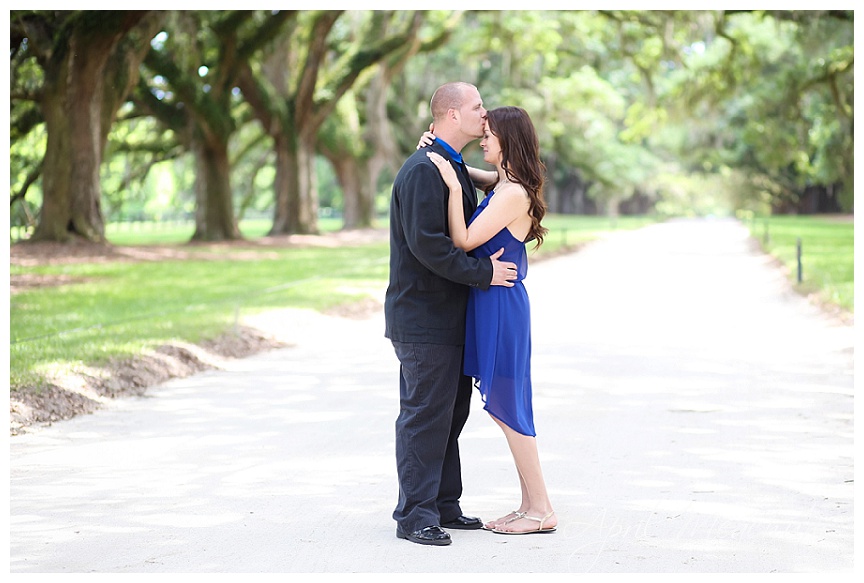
(431, 535)
(464, 523)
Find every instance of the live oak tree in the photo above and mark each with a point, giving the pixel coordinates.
(194, 70)
(297, 85)
(629, 106)
(358, 138)
(630, 103)
(88, 62)
(763, 100)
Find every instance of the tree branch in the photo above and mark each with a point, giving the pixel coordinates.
(317, 50)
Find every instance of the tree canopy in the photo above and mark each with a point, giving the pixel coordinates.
(285, 112)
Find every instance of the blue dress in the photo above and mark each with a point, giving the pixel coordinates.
(498, 337)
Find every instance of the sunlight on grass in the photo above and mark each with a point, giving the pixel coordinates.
(123, 308)
(120, 309)
(827, 245)
(177, 233)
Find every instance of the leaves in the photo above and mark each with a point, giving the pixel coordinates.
(623, 100)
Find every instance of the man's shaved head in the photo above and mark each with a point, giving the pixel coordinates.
(448, 96)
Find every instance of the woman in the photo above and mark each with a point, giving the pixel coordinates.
(498, 334)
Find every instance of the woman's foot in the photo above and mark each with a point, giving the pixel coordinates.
(526, 523)
(493, 524)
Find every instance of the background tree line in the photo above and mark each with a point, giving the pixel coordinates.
(218, 114)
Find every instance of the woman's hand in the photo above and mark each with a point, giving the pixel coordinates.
(427, 137)
(455, 214)
(446, 170)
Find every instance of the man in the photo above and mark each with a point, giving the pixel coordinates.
(425, 320)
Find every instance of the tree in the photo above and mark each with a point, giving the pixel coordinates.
(192, 89)
(633, 107)
(89, 62)
(298, 85)
(358, 137)
(569, 72)
(770, 95)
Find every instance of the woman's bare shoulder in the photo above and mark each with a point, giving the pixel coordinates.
(512, 192)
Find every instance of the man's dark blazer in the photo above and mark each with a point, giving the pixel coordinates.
(429, 277)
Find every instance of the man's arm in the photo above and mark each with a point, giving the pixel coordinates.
(423, 200)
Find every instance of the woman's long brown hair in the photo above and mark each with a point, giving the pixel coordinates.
(520, 159)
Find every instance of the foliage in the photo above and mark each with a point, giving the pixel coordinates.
(773, 99)
(72, 72)
(756, 106)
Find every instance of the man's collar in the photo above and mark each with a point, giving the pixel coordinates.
(456, 156)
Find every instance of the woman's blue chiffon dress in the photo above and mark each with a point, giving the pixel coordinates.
(498, 337)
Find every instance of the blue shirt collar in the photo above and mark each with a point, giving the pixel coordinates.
(457, 157)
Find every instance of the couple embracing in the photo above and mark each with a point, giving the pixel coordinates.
(456, 309)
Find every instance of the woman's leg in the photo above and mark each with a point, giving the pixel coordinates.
(523, 506)
(535, 498)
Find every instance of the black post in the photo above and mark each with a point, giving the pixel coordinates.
(800, 274)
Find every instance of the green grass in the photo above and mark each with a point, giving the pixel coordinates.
(120, 309)
(168, 233)
(827, 257)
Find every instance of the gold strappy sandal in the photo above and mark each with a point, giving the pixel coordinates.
(540, 529)
(516, 516)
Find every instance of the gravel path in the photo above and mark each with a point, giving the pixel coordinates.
(694, 415)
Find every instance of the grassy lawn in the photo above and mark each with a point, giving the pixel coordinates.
(177, 233)
(120, 309)
(827, 245)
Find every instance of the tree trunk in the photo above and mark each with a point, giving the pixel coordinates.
(85, 128)
(366, 195)
(55, 214)
(304, 205)
(214, 213)
(296, 207)
(551, 190)
(75, 114)
(285, 181)
(73, 118)
(380, 136)
(357, 196)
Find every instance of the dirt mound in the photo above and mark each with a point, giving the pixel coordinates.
(88, 389)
